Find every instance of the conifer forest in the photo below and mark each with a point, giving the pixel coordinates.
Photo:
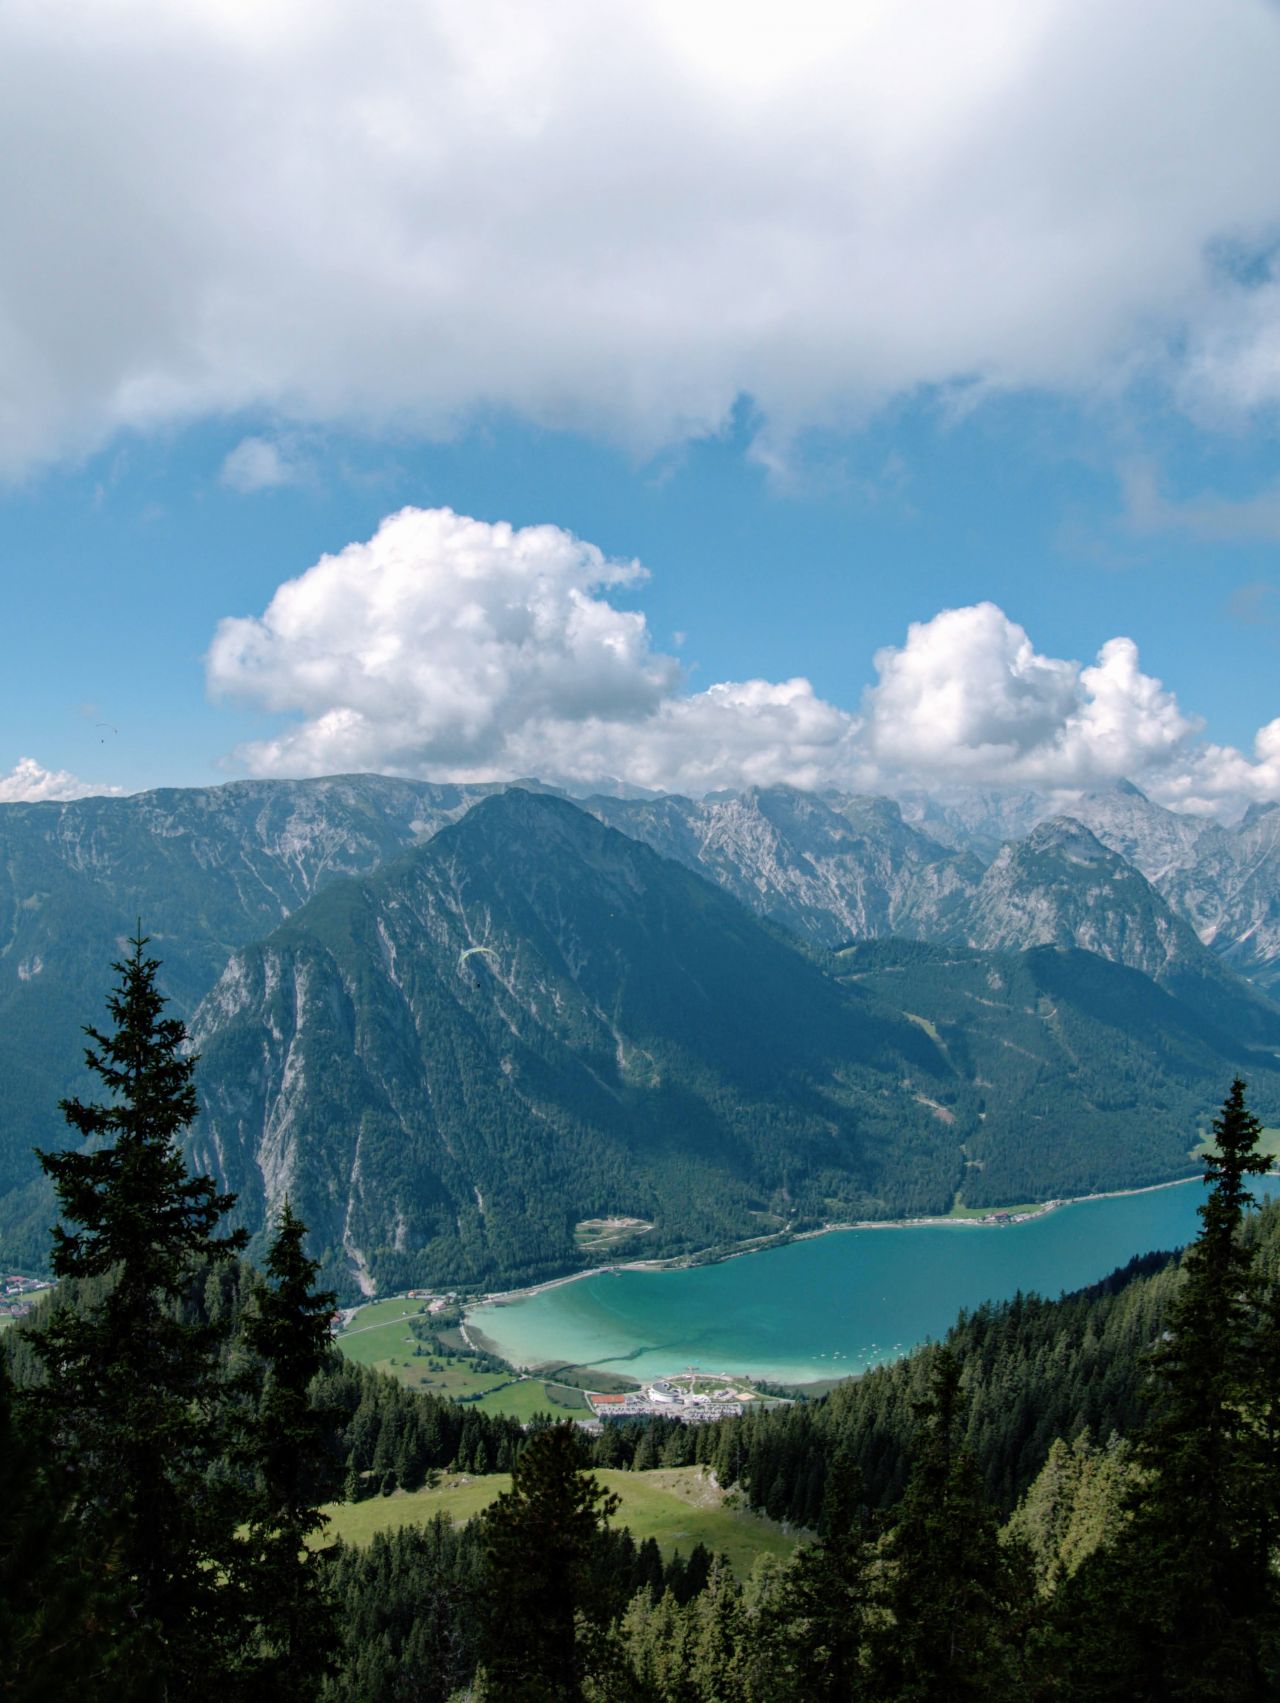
(1070, 1499)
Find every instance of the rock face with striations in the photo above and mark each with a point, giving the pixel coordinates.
(1062, 887)
(1224, 881)
(828, 868)
(205, 869)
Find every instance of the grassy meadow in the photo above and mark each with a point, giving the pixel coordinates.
(677, 1506)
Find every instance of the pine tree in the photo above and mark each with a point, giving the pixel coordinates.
(954, 1596)
(547, 1600)
(816, 1622)
(49, 1584)
(286, 1450)
(1184, 1604)
(132, 1402)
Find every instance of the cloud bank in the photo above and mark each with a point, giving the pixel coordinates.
(451, 648)
(621, 215)
(28, 782)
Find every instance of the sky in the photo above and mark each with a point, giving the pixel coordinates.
(675, 394)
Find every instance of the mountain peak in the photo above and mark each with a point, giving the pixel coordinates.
(1255, 813)
(1067, 836)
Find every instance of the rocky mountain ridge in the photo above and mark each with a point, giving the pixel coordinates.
(212, 871)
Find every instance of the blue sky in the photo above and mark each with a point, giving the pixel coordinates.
(827, 364)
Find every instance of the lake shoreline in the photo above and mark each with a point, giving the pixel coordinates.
(997, 1218)
(836, 1305)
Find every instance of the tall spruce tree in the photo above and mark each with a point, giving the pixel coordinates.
(132, 1401)
(1184, 1603)
(815, 1624)
(286, 1450)
(547, 1594)
(955, 1598)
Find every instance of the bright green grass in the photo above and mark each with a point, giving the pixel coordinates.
(530, 1396)
(677, 1506)
(958, 1211)
(455, 1378)
(380, 1331)
(380, 1336)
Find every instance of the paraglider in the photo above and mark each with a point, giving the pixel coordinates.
(471, 952)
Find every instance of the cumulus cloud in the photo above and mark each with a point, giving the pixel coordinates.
(438, 645)
(622, 216)
(28, 782)
(452, 648)
(736, 734)
(967, 695)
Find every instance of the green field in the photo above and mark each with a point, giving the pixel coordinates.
(380, 1330)
(533, 1395)
(960, 1211)
(379, 1336)
(678, 1506)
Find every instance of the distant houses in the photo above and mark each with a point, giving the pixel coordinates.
(663, 1400)
(18, 1295)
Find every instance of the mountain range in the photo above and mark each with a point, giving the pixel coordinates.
(456, 1022)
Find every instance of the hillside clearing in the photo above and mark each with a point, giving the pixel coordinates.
(677, 1506)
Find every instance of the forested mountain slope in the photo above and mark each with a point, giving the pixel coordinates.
(1058, 1080)
(531, 1020)
(534, 1020)
(1089, 1075)
(832, 869)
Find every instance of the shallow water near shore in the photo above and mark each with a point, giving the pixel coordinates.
(834, 1304)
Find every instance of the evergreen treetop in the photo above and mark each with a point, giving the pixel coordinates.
(138, 1208)
(133, 1402)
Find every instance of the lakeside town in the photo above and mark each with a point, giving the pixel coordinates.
(665, 1399)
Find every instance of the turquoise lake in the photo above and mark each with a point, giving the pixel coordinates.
(834, 1304)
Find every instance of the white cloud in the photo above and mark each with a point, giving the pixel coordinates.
(966, 691)
(437, 645)
(258, 464)
(619, 215)
(736, 734)
(451, 648)
(28, 782)
(968, 696)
